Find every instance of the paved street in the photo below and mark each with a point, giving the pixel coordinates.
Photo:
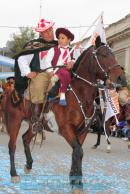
(103, 172)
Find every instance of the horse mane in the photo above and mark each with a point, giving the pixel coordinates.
(98, 43)
(78, 61)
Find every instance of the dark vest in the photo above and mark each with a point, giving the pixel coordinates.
(57, 53)
(21, 83)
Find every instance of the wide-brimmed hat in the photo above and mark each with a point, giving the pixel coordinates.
(66, 32)
(43, 25)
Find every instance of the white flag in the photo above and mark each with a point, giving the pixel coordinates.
(99, 31)
(112, 104)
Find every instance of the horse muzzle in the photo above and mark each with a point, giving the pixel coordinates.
(118, 83)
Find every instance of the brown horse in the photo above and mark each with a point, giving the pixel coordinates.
(8, 87)
(73, 121)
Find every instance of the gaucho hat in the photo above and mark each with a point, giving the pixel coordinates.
(66, 32)
(43, 25)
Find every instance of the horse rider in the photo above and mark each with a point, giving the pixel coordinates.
(61, 55)
(30, 64)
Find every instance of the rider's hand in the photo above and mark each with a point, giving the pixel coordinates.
(70, 65)
(51, 74)
(78, 44)
(31, 75)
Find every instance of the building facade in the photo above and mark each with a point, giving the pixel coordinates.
(118, 37)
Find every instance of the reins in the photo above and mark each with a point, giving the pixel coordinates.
(99, 65)
(88, 119)
(57, 66)
(102, 69)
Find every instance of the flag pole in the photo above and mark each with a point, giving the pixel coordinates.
(83, 36)
(91, 26)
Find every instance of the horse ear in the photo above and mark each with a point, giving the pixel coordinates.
(98, 42)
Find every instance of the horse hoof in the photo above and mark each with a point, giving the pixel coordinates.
(76, 180)
(27, 170)
(15, 179)
(108, 149)
(77, 191)
(94, 147)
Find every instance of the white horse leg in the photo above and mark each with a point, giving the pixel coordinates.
(108, 148)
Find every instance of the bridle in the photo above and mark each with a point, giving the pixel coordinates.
(106, 74)
(95, 54)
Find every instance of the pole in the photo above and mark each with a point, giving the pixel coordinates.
(83, 35)
(40, 9)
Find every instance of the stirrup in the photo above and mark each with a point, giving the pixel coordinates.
(37, 127)
(50, 99)
(63, 102)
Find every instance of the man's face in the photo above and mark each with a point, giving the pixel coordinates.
(48, 35)
(11, 80)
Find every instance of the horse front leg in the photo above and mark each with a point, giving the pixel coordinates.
(77, 155)
(27, 137)
(76, 167)
(14, 177)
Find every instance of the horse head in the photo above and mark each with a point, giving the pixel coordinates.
(108, 68)
(98, 62)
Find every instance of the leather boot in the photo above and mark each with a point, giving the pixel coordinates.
(37, 125)
(53, 92)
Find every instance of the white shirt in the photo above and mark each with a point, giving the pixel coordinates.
(25, 60)
(60, 61)
(45, 58)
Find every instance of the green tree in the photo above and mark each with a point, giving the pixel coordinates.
(19, 40)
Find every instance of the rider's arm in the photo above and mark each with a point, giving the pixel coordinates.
(24, 64)
(76, 53)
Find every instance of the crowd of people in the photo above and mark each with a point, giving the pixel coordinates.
(122, 128)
